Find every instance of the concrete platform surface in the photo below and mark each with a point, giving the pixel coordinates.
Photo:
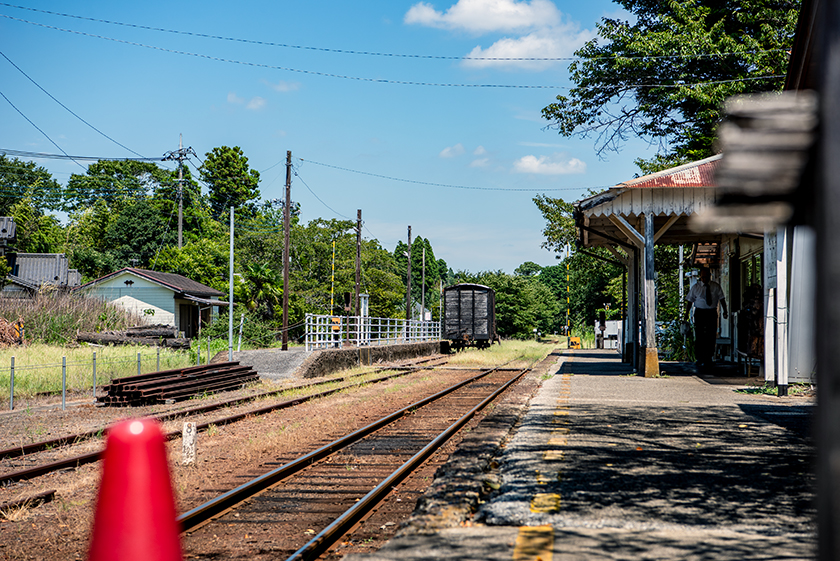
(273, 364)
(607, 465)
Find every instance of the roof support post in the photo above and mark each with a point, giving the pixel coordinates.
(631, 321)
(651, 354)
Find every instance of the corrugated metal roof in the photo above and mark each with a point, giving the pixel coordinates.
(695, 174)
(42, 268)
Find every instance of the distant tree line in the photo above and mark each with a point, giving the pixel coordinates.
(124, 213)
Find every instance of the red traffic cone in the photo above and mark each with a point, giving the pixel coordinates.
(135, 516)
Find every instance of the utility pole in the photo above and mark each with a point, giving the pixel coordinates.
(408, 281)
(180, 155)
(230, 297)
(287, 221)
(423, 287)
(358, 260)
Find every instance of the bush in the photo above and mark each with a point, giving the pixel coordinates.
(255, 332)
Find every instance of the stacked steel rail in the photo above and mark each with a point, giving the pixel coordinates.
(178, 384)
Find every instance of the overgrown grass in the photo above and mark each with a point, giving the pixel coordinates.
(38, 367)
(770, 389)
(56, 317)
(523, 353)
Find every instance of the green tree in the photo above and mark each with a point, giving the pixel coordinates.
(435, 271)
(522, 303)
(664, 75)
(137, 234)
(113, 181)
(204, 261)
(231, 181)
(528, 269)
(264, 289)
(36, 232)
(20, 179)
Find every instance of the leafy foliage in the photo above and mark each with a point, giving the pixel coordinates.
(523, 303)
(664, 76)
(231, 181)
(26, 179)
(113, 181)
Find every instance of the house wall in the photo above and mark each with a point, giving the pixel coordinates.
(150, 314)
(152, 295)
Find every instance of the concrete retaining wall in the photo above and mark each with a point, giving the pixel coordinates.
(325, 361)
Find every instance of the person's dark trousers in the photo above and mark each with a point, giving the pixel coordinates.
(705, 333)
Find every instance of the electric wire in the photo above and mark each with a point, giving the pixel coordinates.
(46, 156)
(39, 129)
(317, 197)
(380, 54)
(67, 108)
(416, 182)
(388, 81)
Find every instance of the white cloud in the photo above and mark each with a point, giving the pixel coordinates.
(480, 163)
(559, 41)
(452, 151)
(480, 151)
(483, 16)
(556, 164)
(256, 103)
(536, 28)
(284, 87)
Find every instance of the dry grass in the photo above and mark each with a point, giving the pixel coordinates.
(522, 353)
(56, 317)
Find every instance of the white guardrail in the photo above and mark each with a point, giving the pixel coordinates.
(327, 332)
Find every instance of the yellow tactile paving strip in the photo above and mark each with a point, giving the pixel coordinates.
(534, 543)
(553, 454)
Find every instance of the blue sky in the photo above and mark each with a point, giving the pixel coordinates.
(275, 98)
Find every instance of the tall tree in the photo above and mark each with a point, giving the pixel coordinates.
(231, 181)
(114, 181)
(19, 179)
(663, 76)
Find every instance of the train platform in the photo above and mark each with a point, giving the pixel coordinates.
(607, 465)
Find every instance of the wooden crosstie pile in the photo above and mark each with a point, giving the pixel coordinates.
(178, 384)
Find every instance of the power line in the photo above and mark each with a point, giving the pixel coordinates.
(384, 80)
(67, 108)
(375, 53)
(39, 129)
(445, 184)
(319, 198)
(65, 156)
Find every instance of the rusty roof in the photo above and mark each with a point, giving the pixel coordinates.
(695, 174)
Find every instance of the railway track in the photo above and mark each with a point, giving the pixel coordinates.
(303, 508)
(81, 459)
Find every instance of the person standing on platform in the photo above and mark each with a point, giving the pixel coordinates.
(705, 295)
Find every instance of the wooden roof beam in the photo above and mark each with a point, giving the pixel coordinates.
(671, 221)
(635, 237)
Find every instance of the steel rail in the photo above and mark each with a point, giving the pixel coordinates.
(82, 459)
(345, 523)
(81, 437)
(205, 512)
